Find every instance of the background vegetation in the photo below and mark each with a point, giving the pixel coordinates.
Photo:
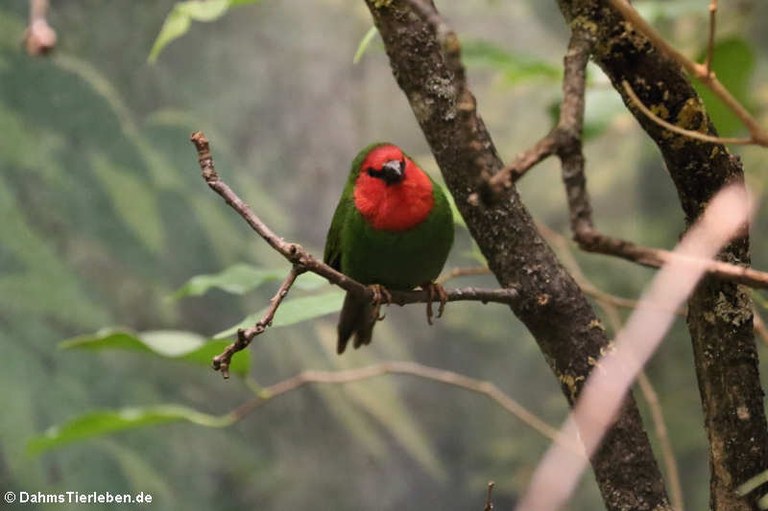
(104, 218)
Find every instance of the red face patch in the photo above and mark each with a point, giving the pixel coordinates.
(388, 203)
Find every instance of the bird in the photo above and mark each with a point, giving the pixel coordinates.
(392, 229)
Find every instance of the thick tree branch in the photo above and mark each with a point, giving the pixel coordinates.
(558, 473)
(424, 55)
(719, 312)
(303, 261)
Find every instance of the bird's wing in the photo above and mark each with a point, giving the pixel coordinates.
(332, 254)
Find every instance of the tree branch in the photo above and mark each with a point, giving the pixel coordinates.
(489, 497)
(719, 312)
(445, 377)
(697, 135)
(703, 72)
(425, 57)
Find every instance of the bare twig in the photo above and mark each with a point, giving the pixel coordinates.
(39, 37)
(677, 129)
(711, 40)
(593, 241)
(540, 151)
(660, 429)
(563, 140)
(484, 388)
(489, 497)
(703, 72)
(245, 335)
(302, 261)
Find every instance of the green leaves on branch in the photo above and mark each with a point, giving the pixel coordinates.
(104, 422)
(242, 278)
(184, 13)
(173, 344)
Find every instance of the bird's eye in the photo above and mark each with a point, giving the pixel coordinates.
(372, 171)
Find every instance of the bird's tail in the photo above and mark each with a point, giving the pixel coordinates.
(357, 319)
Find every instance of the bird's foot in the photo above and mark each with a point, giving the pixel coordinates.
(435, 291)
(380, 294)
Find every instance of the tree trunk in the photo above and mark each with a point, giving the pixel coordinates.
(719, 313)
(553, 307)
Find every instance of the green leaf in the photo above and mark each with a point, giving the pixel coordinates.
(104, 422)
(242, 278)
(365, 42)
(734, 65)
(173, 344)
(293, 311)
(174, 26)
(515, 68)
(237, 279)
(181, 16)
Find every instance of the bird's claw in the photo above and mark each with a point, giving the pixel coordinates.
(435, 290)
(380, 294)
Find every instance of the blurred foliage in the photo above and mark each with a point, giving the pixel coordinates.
(182, 15)
(106, 222)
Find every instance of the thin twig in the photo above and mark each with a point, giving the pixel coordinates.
(484, 388)
(245, 335)
(662, 435)
(39, 37)
(701, 71)
(489, 497)
(677, 129)
(562, 140)
(525, 161)
(656, 258)
(302, 260)
(711, 41)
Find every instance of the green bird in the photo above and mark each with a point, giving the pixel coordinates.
(392, 229)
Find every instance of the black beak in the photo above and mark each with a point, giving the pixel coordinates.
(392, 172)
